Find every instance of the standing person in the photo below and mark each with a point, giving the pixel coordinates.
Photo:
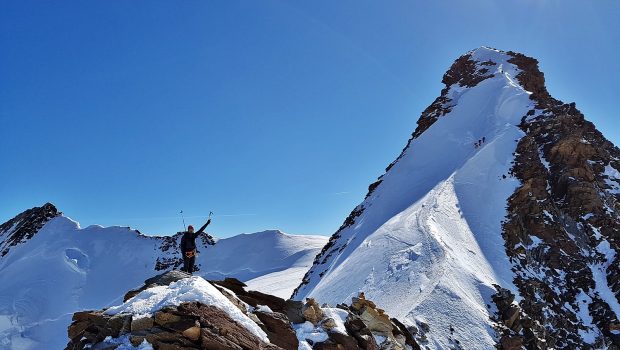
(188, 246)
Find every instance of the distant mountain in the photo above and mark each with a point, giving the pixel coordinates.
(50, 268)
(498, 224)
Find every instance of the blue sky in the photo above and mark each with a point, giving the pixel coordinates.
(272, 114)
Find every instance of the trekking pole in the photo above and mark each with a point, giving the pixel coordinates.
(182, 217)
(210, 213)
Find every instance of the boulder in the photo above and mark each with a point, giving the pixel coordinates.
(294, 311)
(278, 329)
(401, 329)
(252, 298)
(192, 333)
(141, 324)
(344, 341)
(219, 330)
(511, 343)
(163, 318)
(356, 328)
(312, 311)
(328, 323)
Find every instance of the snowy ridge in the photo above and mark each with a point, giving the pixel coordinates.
(426, 244)
(92, 268)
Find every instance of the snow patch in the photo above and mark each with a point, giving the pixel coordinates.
(147, 302)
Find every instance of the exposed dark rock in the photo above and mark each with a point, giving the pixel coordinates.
(563, 204)
(24, 226)
(278, 329)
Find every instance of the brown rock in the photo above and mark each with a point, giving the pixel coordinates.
(400, 328)
(293, 310)
(344, 341)
(220, 331)
(136, 340)
(328, 345)
(141, 324)
(162, 318)
(356, 327)
(278, 329)
(510, 316)
(169, 340)
(312, 311)
(376, 321)
(511, 343)
(119, 325)
(328, 323)
(253, 298)
(192, 333)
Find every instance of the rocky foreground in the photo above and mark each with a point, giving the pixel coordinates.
(245, 320)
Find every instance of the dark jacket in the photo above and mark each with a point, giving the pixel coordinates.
(188, 241)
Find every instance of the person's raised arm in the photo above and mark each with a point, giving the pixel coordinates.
(203, 227)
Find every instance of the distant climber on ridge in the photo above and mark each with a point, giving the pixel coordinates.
(188, 246)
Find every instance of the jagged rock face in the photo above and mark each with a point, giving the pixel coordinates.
(24, 226)
(563, 226)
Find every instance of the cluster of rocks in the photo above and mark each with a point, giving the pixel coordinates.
(193, 325)
(515, 329)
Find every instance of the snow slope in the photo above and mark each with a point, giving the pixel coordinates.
(273, 263)
(64, 268)
(427, 245)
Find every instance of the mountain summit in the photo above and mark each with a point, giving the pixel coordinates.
(498, 222)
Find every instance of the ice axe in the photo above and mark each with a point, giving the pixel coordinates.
(182, 217)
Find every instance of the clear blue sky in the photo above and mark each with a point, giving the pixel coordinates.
(273, 114)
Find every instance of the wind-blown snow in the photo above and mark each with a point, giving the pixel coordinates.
(429, 242)
(147, 302)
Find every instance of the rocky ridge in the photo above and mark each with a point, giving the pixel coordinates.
(288, 324)
(563, 223)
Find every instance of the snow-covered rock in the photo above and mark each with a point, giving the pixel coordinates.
(181, 311)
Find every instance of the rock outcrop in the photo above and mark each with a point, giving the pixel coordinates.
(195, 325)
(563, 225)
(25, 225)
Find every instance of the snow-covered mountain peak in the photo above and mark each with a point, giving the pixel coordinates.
(495, 171)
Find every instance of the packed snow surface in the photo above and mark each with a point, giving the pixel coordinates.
(428, 244)
(147, 302)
